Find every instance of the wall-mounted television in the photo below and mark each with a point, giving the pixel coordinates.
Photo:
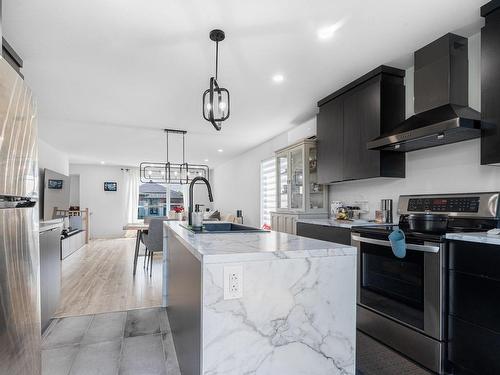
(54, 184)
(110, 186)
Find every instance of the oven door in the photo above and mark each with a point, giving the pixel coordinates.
(408, 291)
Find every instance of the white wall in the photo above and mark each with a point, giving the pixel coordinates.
(237, 182)
(51, 158)
(106, 207)
(74, 197)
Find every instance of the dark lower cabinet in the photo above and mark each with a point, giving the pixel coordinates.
(473, 308)
(352, 116)
(490, 83)
(325, 233)
(472, 350)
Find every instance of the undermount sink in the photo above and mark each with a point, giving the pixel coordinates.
(223, 228)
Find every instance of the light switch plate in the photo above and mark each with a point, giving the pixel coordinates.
(233, 282)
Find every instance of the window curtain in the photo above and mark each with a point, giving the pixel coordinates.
(131, 190)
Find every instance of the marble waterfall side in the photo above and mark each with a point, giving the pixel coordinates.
(296, 316)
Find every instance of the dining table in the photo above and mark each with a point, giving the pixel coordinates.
(140, 228)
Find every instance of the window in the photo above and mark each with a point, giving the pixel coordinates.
(158, 199)
(267, 190)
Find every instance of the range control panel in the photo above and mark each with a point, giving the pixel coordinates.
(436, 204)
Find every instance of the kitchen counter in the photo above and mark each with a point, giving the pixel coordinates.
(242, 247)
(338, 223)
(480, 237)
(296, 313)
(50, 224)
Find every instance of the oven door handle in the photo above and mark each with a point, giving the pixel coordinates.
(409, 246)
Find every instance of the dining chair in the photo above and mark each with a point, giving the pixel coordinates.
(153, 241)
(147, 220)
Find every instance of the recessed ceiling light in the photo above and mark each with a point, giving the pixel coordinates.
(278, 78)
(102, 162)
(206, 160)
(220, 150)
(328, 31)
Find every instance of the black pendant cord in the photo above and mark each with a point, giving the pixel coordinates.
(216, 59)
(183, 149)
(167, 147)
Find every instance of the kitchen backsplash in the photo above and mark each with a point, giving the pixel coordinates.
(453, 168)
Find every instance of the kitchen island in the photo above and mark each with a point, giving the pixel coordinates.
(295, 313)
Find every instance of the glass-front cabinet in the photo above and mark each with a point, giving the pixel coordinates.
(297, 178)
(282, 171)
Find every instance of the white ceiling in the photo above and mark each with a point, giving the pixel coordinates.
(110, 74)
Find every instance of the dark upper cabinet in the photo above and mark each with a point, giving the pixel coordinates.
(330, 135)
(490, 83)
(361, 124)
(354, 115)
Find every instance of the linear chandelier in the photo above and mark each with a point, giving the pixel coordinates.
(216, 104)
(172, 173)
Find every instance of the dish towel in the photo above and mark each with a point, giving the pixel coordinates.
(398, 243)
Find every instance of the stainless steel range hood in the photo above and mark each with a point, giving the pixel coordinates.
(441, 100)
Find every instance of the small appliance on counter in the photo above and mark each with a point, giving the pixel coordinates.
(402, 301)
(348, 213)
(384, 215)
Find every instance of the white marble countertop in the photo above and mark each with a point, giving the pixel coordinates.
(241, 247)
(480, 237)
(46, 225)
(338, 223)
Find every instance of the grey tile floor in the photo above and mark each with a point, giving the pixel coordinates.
(373, 358)
(139, 342)
(135, 342)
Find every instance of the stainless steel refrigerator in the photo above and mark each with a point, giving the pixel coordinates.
(19, 254)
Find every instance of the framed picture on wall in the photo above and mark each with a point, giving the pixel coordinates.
(110, 186)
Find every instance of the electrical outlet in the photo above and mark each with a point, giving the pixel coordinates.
(233, 282)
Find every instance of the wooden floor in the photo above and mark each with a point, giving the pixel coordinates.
(98, 278)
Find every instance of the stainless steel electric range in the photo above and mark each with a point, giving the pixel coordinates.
(402, 301)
